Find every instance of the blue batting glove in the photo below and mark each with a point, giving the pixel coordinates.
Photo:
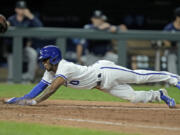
(11, 100)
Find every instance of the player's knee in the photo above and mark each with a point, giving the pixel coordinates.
(132, 98)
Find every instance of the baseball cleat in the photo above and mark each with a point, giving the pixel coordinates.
(168, 100)
(178, 85)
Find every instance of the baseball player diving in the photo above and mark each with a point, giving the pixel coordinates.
(103, 75)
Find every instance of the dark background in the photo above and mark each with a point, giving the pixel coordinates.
(152, 14)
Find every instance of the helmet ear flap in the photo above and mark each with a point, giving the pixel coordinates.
(54, 60)
(41, 64)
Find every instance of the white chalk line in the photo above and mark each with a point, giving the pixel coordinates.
(109, 123)
(104, 122)
(118, 124)
(114, 123)
(117, 107)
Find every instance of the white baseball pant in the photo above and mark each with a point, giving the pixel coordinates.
(115, 80)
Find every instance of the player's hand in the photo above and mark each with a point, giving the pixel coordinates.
(104, 26)
(80, 62)
(26, 102)
(123, 27)
(28, 14)
(113, 29)
(15, 100)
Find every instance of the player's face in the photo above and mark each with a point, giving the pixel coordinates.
(47, 65)
(96, 21)
(19, 11)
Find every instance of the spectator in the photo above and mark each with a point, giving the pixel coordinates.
(24, 18)
(171, 53)
(75, 52)
(98, 49)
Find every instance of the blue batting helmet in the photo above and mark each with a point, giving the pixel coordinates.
(52, 53)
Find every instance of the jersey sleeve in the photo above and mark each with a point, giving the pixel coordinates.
(168, 27)
(64, 71)
(47, 78)
(11, 20)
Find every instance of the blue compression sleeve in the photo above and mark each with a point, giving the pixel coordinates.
(36, 90)
(33, 93)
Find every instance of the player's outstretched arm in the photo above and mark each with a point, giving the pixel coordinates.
(41, 86)
(47, 93)
(52, 89)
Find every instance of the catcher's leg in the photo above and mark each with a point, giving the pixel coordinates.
(126, 92)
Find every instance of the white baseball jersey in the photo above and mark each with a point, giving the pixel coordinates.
(114, 79)
(76, 76)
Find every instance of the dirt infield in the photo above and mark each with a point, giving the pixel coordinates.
(146, 119)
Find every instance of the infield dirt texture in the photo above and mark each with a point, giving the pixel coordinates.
(145, 119)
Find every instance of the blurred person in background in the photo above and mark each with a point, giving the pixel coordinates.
(171, 53)
(98, 49)
(75, 52)
(23, 17)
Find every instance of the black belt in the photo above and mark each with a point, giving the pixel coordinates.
(99, 82)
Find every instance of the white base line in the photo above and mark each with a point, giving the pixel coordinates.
(118, 107)
(119, 124)
(109, 123)
(115, 123)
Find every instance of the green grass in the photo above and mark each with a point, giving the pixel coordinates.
(17, 90)
(15, 128)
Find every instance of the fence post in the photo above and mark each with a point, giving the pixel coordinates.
(158, 60)
(61, 43)
(17, 59)
(178, 57)
(122, 53)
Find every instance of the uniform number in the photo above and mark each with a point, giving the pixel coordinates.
(74, 82)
